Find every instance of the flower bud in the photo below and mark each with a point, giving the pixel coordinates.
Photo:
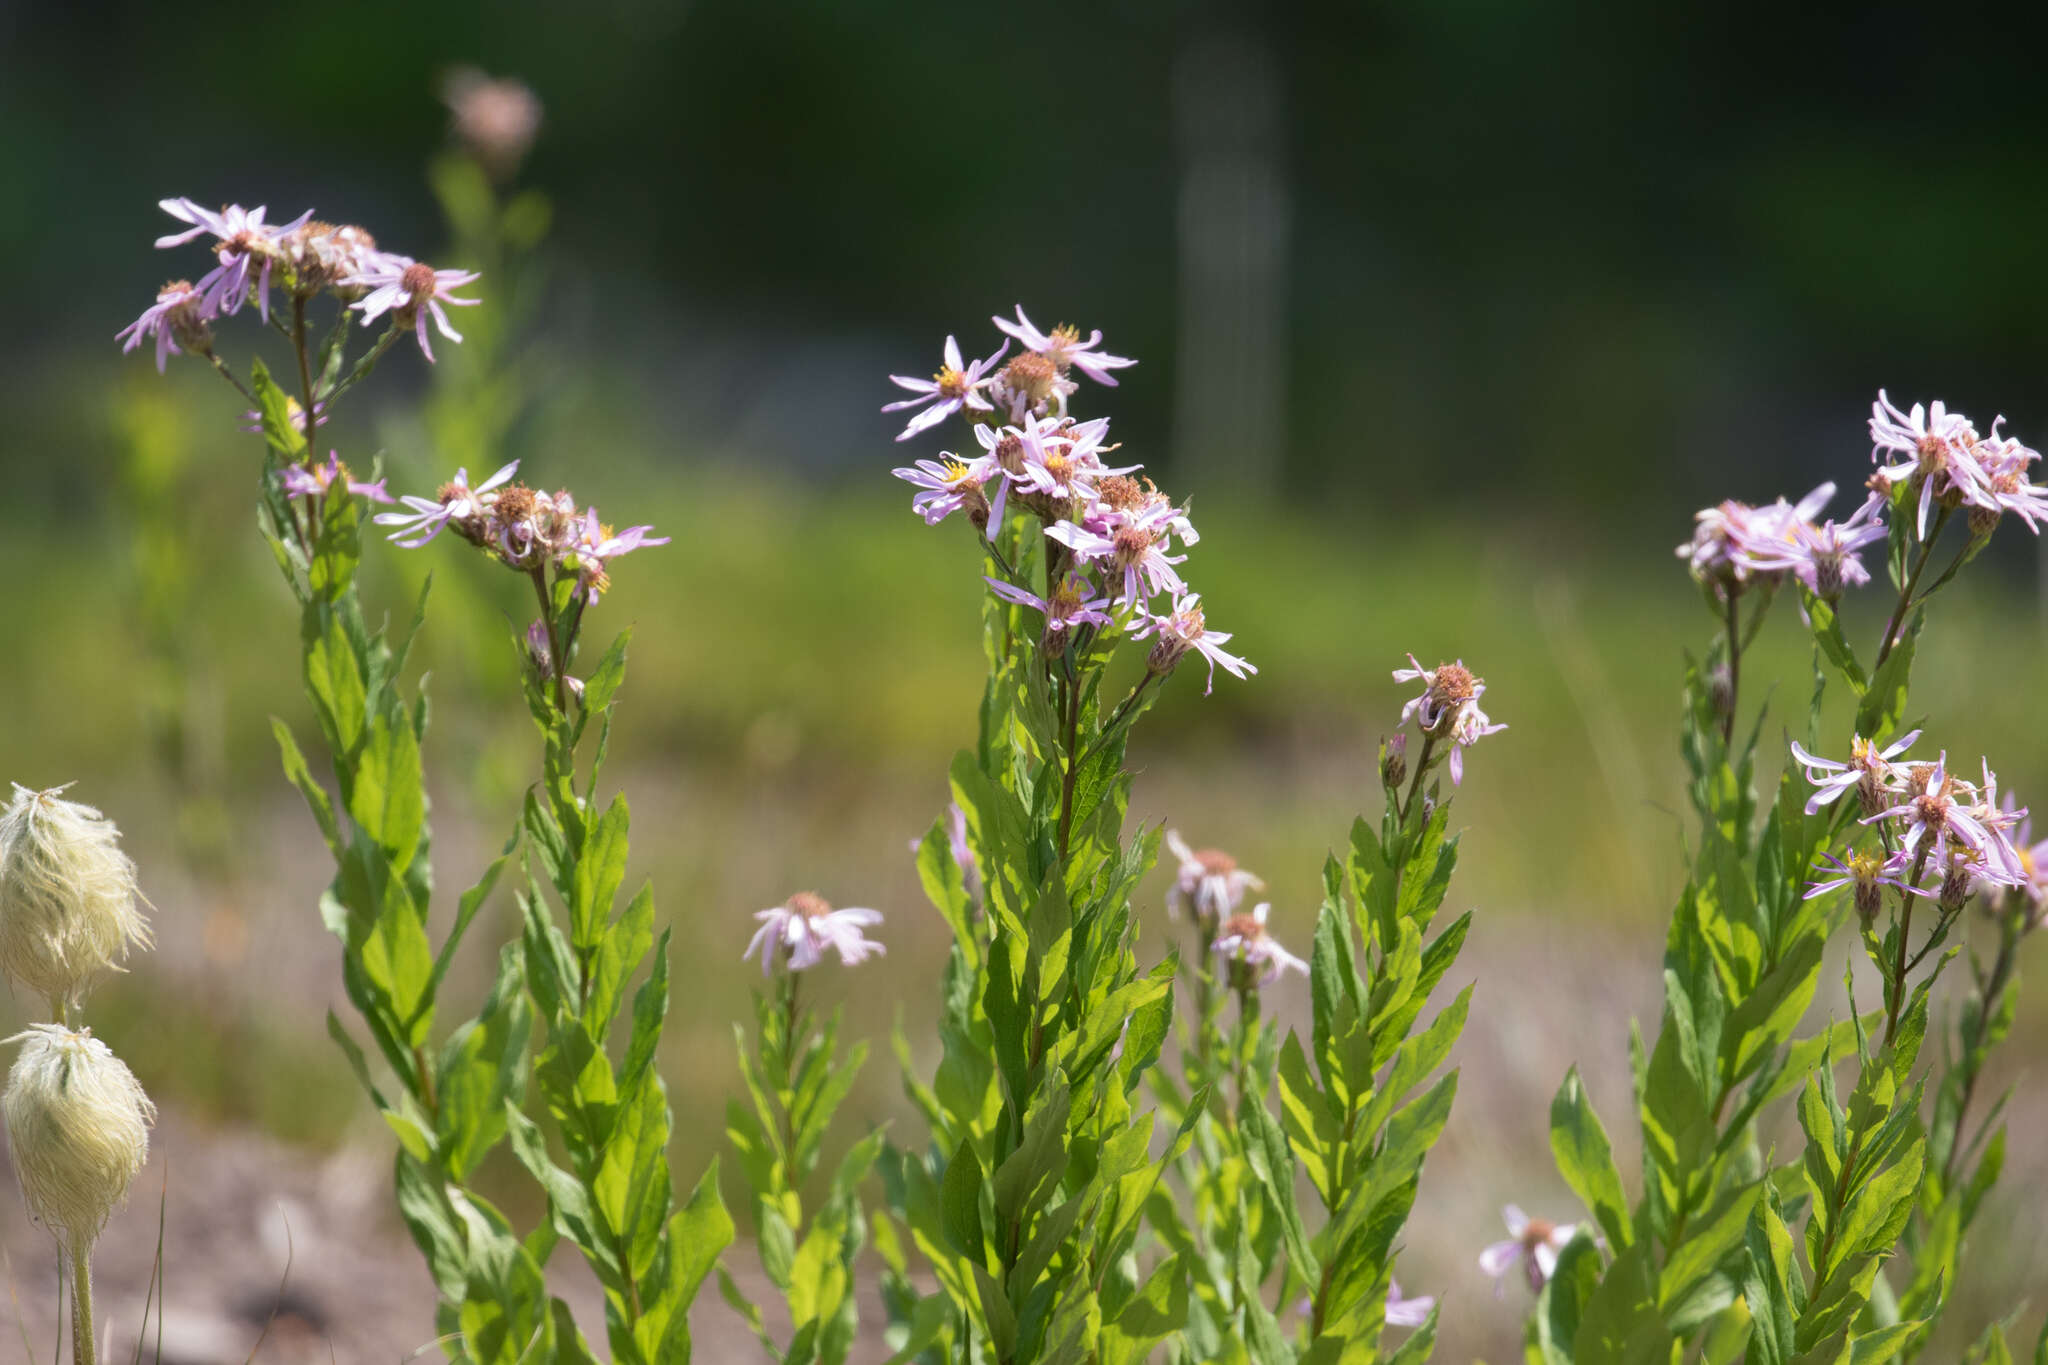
(68, 907)
(1983, 521)
(1721, 689)
(1955, 889)
(77, 1127)
(1394, 761)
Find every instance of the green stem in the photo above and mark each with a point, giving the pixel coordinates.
(1898, 990)
(1989, 996)
(547, 616)
(1734, 596)
(1071, 692)
(1891, 630)
(221, 367)
(1415, 782)
(83, 1349)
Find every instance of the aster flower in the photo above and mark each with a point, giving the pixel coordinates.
(799, 931)
(1135, 553)
(1184, 629)
(1939, 447)
(1448, 708)
(1822, 557)
(1403, 1311)
(1070, 604)
(955, 386)
(409, 290)
(1243, 940)
(244, 240)
(299, 481)
(1868, 874)
(1532, 1241)
(2033, 860)
(950, 484)
(179, 311)
(1728, 538)
(1064, 460)
(1869, 770)
(1208, 882)
(1064, 347)
(1937, 820)
(596, 545)
(2002, 485)
(457, 502)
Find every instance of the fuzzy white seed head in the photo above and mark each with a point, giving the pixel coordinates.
(78, 1128)
(68, 905)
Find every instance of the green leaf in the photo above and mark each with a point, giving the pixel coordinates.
(386, 797)
(300, 776)
(1585, 1159)
(1033, 1170)
(1157, 1311)
(632, 1184)
(1884, 705)
(1827, 633)
(1562, 1304)
(1265, 1150)
(482, 1069)
(1621, 1325)
(960, 1203)
(600, 869)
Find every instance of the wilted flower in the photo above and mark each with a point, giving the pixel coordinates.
(1869, 772)
(1184, 629)
(78, 1128)
(68, 907)
(457, 503)
(956, 385)
(1209, 881)
(409, 290)
(244, 239)
(799, 931)
(1064, 348)
(177, 320)
(1243, 940)
(300, 481)
(1448, 708)
(1533, 1241)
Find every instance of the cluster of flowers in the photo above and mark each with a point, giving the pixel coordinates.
(1118, 532)
(1210, 885)
(77, 1119)
(1938, 453)
(1955, 836)
(521, 527)
(305, 257)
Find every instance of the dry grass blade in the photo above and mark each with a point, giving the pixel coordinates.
(282, 1280)
(443, 1340)
(156, 1275)
(28, 1349)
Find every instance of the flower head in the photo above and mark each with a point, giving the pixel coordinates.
(1448, 708)
(1243, 941)
(1823, 557)
(177, 320)
(1532, 1241)
(1869, 772)
(497, 120)
(1939, 450)
(1867, 873)
(2002, 485)
(1403, 1311)
(409, 290)
(78, 1128)
(1069, 605)
(457, 504)
(957, 384)
(1209, 882)
(1734, 542)
(1944, 827)
(245, 244)
(68, 901)
(1064, 348)
(301, 481)
(950, 484)
(1133, 554)
(595, 547)
(799, 931)
(1184, 629)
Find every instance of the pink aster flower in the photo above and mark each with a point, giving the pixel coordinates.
(1403, 1311)
(1209, 881)
(950, 484)
(596, 545)
(1062, 459)
(1939, 815)
(2033, 859)
(456, 502)
(1939, 449)
(179, 311)
(2002, 484)
(409, 290)
(799, 931)
(1532, 1241)
(1869, 770)
(1822, 557)
(1866, 874)
(1728, 538)
(955, 386)
(1448, 708)
(1064, 347)
(1134, 555)
(302, 482)
(244, 240)
(1070, 604)
(1243, 939)
(1184, 629)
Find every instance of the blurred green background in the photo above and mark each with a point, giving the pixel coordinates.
(1449, 314)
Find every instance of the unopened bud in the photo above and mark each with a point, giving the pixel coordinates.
(1827, 578)
(78, 1128)
(1983, 521)
(68, 907)
(1394, 761)
(1955, 889)
(1721, 690)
